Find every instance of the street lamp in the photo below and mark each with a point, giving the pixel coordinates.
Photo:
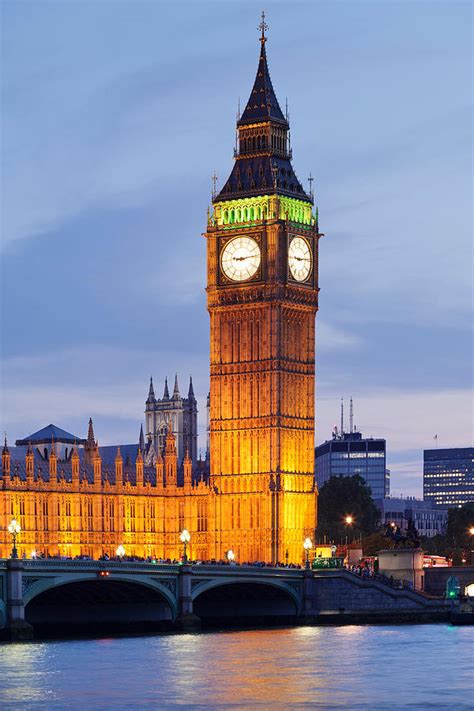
(471, 530)
(230, 555)
(185, 538)
(349, 520)
(120, 552)
(14, 529)
(307, 545)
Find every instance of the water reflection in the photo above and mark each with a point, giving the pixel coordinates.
(358, 667)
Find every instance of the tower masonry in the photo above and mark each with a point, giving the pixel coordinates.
(177, 412)
(262, 295)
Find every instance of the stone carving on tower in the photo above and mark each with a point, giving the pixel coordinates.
(179, 413)
(262, 248)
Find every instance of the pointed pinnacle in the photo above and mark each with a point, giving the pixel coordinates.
(151, 392)
(191, 395)
(176, 387)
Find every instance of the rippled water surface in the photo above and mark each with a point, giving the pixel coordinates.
(380, 667)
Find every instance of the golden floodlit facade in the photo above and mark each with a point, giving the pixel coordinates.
(262, 266)
(256, 493)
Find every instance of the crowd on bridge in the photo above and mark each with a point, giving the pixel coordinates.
(167, 561)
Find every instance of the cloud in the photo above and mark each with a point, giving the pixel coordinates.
(110, 384)
(330, 337)
(408, 419)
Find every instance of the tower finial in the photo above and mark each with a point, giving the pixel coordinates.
(191, 395)
(262, 27)
(151, 392)
(176, 394)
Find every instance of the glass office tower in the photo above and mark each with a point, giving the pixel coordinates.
(349, 454)
(448, 476)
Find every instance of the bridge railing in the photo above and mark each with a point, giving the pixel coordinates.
(322, 563)
(43, 564)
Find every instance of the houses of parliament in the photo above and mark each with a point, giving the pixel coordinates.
(254, 492)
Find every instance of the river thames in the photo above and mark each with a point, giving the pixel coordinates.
(356, 667)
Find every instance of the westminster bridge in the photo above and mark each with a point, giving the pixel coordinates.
(75, 594)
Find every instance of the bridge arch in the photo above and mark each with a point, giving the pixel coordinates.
(89, 599)
(245, 597)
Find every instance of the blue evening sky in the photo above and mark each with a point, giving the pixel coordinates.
(115, 115)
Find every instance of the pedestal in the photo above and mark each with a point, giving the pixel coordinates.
(405, 564)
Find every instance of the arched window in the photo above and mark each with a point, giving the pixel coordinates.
(252, 213)
(246, 214)
(226, 217)
(232, 217)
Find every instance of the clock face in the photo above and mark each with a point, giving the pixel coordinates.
(299, 259)
(240, 258)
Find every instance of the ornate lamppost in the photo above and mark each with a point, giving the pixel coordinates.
(230, 555)
(307, 545)
(120, 552)
(471, 531)
(349, 520)
(14, 529)
(185, 538)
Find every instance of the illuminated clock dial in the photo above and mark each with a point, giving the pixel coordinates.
(240, 258)
(299, 259)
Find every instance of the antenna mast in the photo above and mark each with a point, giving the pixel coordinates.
(351, 418)
(342, 416)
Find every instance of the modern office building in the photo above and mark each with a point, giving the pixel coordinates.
(348, 453)
(429, 520)
(448, 476)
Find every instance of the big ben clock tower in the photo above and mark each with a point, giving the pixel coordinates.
(262, 265)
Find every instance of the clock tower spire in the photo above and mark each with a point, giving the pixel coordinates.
(262, 244)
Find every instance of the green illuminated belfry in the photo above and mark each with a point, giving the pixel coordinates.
(263, 154)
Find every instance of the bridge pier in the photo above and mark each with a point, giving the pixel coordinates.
(186, 620)
(307, 610)
(17, 627)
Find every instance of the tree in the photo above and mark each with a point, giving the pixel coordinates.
(458, 541)
(460, 522)
(376, 542)
(344, 498)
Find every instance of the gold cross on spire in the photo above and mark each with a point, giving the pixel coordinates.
(262, 27)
